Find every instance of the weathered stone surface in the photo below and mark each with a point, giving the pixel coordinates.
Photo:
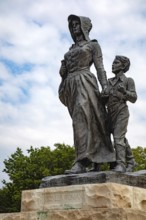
(139, 199)
(105, 201)
(87, 196)
(92, 214)
(33, 200)
(70, 197)
(108, 195)
(137, 179)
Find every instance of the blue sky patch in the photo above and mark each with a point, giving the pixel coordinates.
(7, 44)
(38, 23)
(16, 68)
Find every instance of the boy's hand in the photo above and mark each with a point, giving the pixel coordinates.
(121, 89)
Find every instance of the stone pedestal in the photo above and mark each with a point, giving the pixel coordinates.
(105, 201)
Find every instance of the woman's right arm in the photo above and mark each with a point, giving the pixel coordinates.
(63, 70)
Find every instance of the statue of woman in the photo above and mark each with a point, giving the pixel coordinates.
(79, 91)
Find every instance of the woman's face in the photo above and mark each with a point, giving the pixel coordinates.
(76, 27)
(117, 66)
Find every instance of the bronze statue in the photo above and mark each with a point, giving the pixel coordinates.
(130, 161)
(120, 90)
(79, 92)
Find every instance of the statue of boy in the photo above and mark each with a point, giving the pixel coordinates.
(120, 90)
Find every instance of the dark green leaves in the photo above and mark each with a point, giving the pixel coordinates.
(26, 171)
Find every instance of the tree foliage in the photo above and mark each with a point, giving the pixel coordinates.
(139, 154)
(26, 171)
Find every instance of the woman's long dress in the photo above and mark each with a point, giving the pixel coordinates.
(80, 93)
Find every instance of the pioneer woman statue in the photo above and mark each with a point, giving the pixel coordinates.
(79, 92)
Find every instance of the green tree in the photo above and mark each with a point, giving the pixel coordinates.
(26, 171)
(139, 154)
(5, 200)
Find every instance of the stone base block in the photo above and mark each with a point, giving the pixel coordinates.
(105, 201)
(106, 195)
(78, 214)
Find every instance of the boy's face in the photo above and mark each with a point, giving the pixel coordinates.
(117, 66)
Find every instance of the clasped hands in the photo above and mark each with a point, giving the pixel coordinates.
(105, 92)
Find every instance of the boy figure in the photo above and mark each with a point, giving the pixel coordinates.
(120, 90)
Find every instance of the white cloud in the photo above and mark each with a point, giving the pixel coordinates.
(36, 32)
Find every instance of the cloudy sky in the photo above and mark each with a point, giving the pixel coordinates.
(33, 39)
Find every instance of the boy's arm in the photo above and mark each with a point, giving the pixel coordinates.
(130, 93)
